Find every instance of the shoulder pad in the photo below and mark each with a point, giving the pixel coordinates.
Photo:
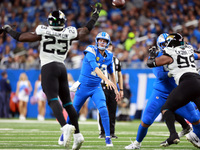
(71, 28)
(40, 29)
(189, 46)
(72, 31)
(109, 51)
(91, 49)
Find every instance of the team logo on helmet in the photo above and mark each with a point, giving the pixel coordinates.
(174, 40)
(56, 19)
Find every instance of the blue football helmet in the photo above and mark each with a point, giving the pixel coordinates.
(161, 41)
(102, 35)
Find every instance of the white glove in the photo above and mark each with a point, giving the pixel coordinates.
(74, 86)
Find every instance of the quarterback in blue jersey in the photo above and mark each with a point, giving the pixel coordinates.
(161, 89)
(96, 58)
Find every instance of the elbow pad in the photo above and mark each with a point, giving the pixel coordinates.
(151, 62)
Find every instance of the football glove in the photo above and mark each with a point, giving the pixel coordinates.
(7, 28)
(153, 52)
(96, 8)
(1, 30)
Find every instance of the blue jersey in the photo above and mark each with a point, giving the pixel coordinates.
(163, 83)
(93, 59)
(90, 83)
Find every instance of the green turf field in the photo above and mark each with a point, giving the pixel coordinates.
(31, 134)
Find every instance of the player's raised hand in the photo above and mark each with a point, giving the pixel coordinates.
(153, 52)
(96, 8)
(7, 28)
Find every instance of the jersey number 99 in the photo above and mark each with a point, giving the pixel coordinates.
(184, 62)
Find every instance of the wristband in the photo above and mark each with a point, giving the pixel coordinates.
(151, 63)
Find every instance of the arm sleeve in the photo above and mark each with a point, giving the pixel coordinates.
(92, 60)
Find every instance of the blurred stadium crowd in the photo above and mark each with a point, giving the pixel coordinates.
(133, 29)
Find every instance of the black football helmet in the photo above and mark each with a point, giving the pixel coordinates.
(174, 40)
(56, 20)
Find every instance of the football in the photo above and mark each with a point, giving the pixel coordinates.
(118, 3)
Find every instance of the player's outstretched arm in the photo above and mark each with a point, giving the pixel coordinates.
(82, 32)
(110, 84)
(155, 61)
(159, 61)
(22, 37)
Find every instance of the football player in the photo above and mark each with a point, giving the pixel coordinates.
(110, 96)
(55, 40)
(161, 89)
(180, 60)
(97, 58)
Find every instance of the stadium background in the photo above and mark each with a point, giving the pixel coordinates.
(133, 30)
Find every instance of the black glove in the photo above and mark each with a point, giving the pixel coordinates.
(7, 28)
(197, 51)
(1, 30)
(96, 8)
(153, 52)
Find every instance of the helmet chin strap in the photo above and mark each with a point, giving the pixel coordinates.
(101, 48)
